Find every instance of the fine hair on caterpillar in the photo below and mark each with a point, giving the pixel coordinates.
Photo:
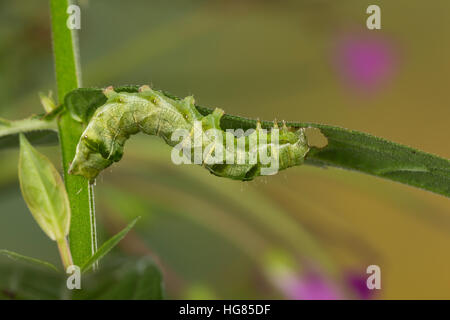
(196, 138)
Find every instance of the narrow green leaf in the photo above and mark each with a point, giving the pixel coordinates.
(38, 130)
(353, 150)
(359, 151)
(43, 191)
(17, 256)
(108, 246)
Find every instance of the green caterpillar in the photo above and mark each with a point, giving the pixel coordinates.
(153, 113)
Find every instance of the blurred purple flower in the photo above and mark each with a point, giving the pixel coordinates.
(310, 287)
(366, 62)
(358, 284)
(309, 282)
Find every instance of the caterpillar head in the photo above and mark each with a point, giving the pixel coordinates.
(87, 163)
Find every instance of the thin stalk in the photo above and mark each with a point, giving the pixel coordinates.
(27, 125)
(82, 230)
(94, 243)
(64, 251)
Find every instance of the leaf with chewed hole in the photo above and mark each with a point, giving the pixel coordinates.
(344, 148)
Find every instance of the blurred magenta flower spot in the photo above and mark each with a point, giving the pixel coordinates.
(365, 62)
(358, 284)
(310, 287)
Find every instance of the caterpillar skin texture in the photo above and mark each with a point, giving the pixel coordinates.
(153, 113)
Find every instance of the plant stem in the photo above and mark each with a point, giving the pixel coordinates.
(64, 252)
(27, 125)
(68, 78)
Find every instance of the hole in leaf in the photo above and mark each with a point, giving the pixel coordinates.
(316, 138)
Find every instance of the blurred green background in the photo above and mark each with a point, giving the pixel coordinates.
(304, 233)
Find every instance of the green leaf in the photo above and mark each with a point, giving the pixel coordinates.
(358, 151)
(36, 129)
(121, 277)
(353, 150)
(82, 103)
(130, 280)
(142, 282)
(43, 191)
(108, 246)
(16, 256)
(23, 282)
(362, 152)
